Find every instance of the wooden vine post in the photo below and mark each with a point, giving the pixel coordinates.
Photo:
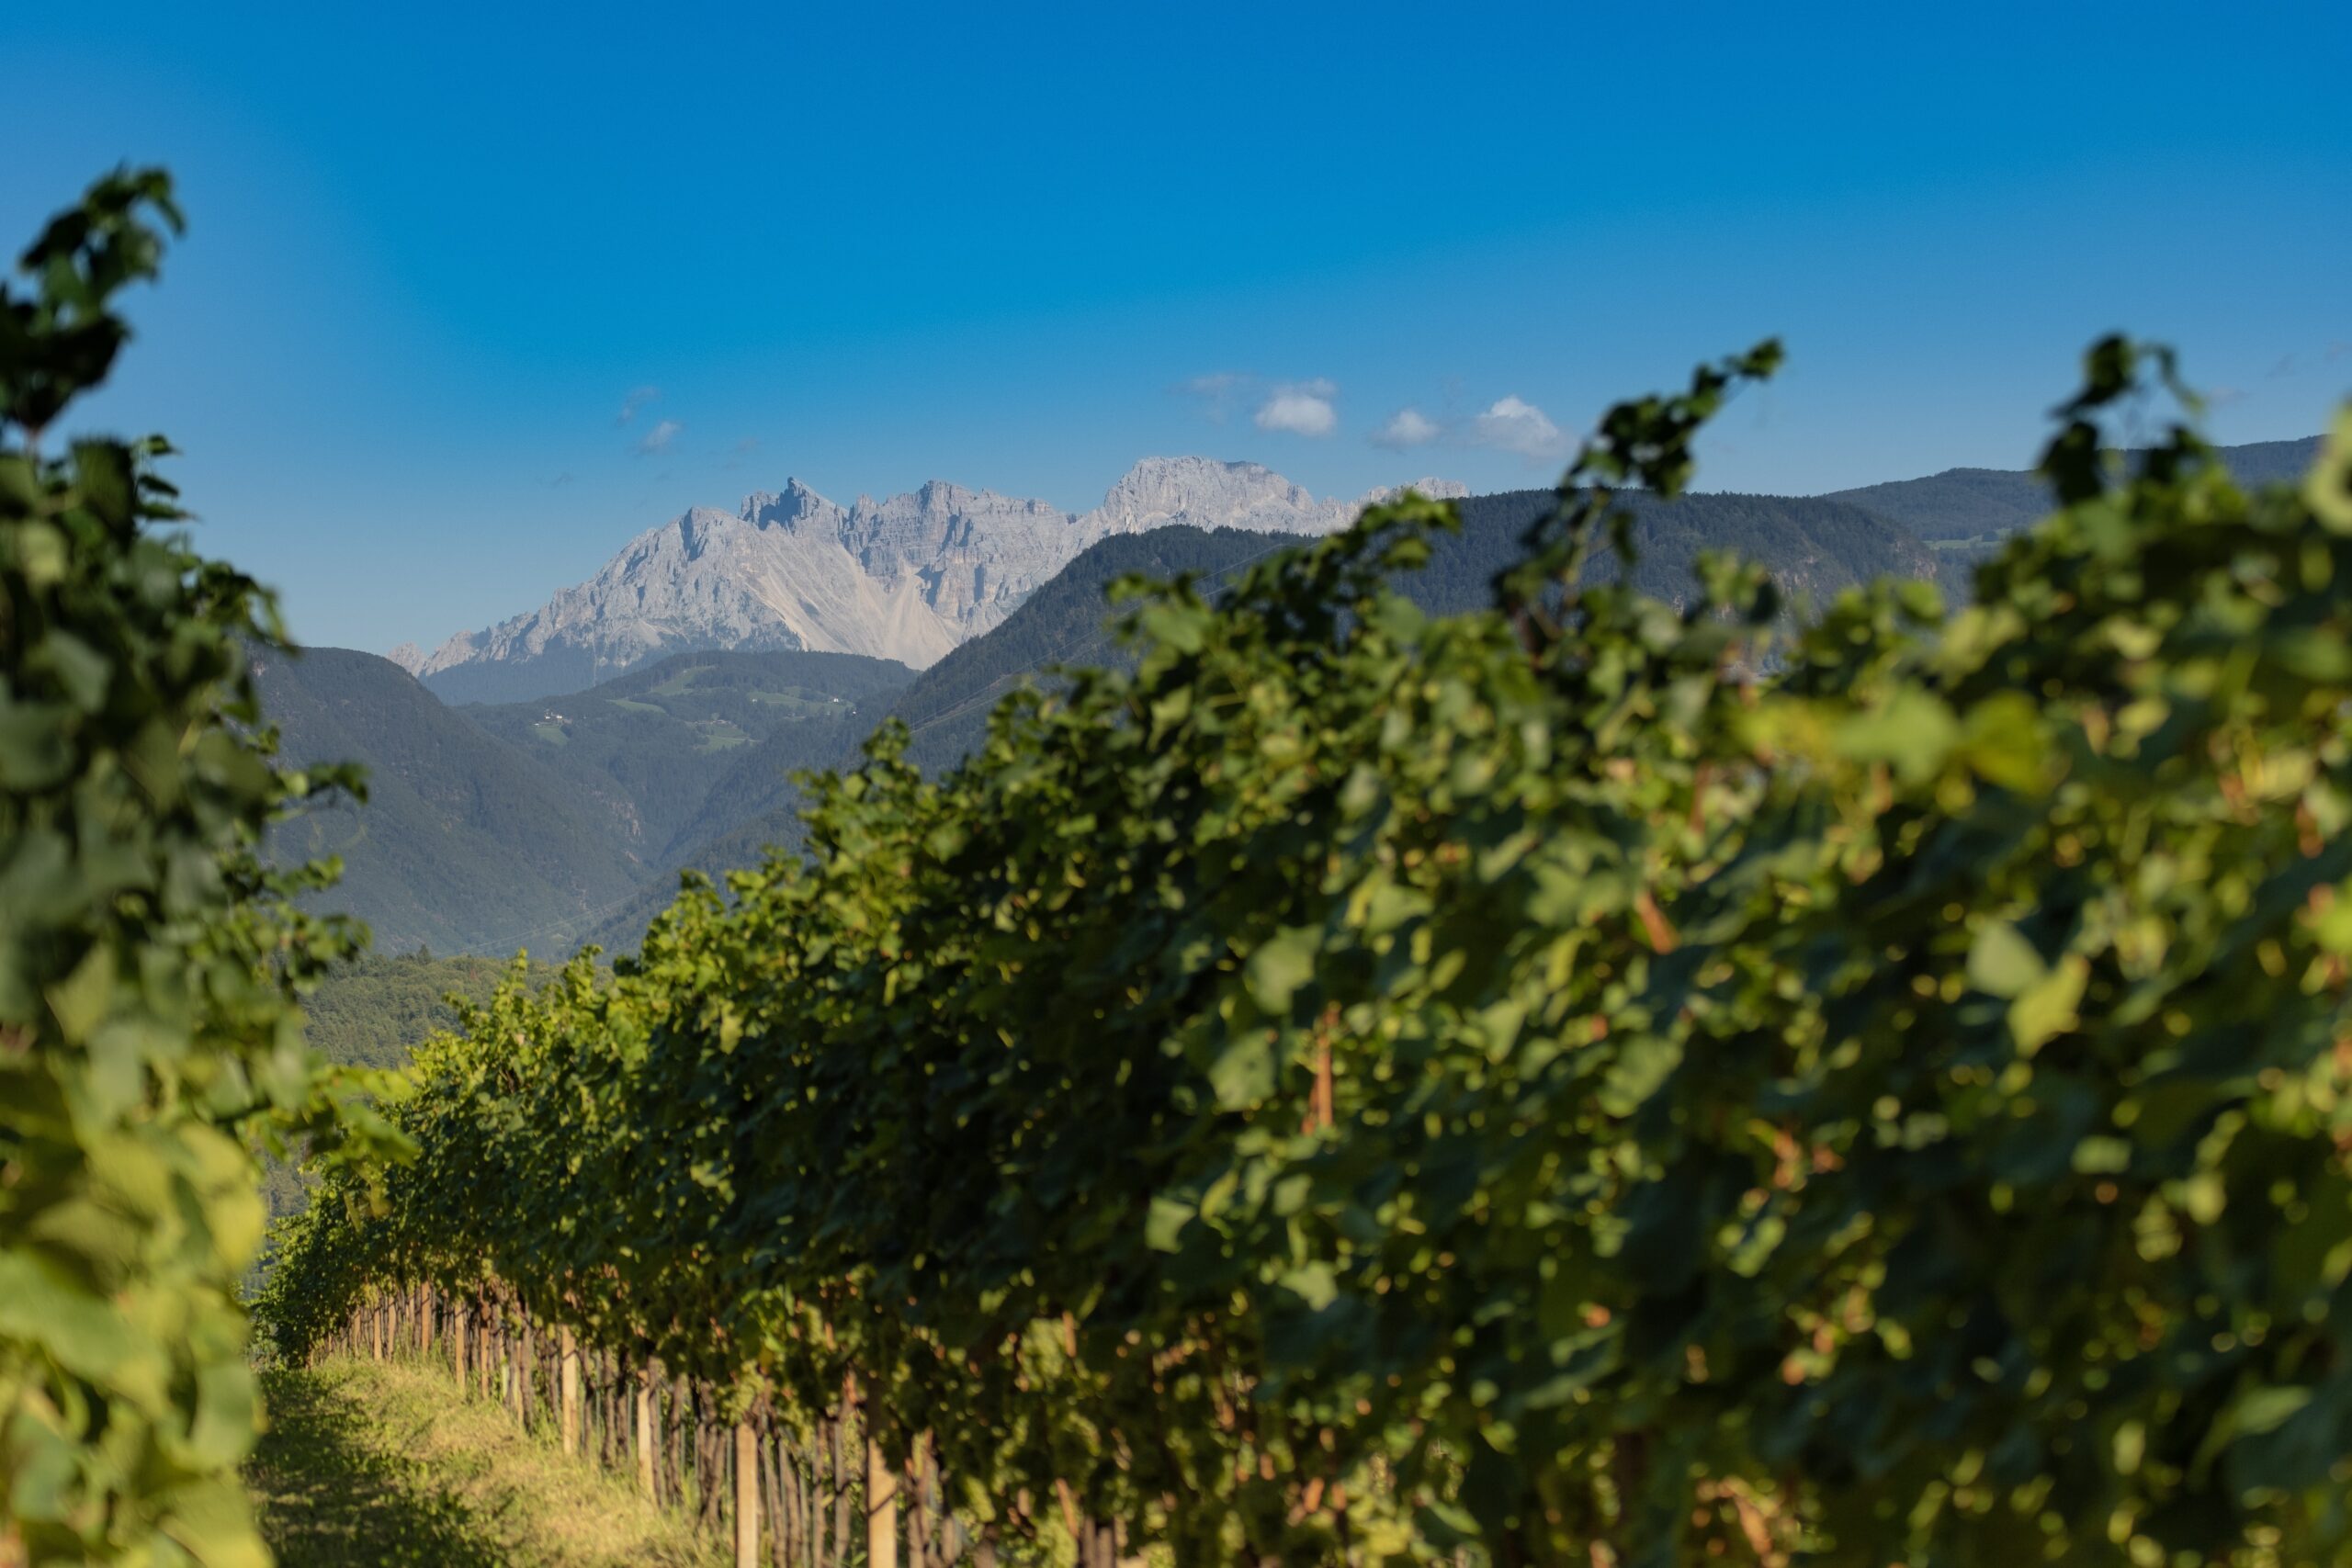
(570, 1412)
(747, 1495)
(881, 1490)
(646, 1438)
(881, 1506)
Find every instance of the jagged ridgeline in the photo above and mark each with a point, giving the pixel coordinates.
(1522, 1086)
(906, 579)
(149, 965)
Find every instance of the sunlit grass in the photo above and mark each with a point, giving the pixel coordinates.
(369, 1464)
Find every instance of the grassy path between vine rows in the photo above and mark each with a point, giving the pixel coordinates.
(366, 1464)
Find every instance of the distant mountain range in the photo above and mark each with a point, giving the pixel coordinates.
(554, 820)
(908, 578)
(1979, 505)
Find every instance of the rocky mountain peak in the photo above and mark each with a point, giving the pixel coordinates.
(907, 577)
(1208, 494)
(794, 506)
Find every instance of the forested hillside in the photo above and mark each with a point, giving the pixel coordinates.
(373, 1010)
(665, 750)
(1815, 548)
(489, 828)
(754, 805)
(376, 1009)
(946, 708)
(467, 843)
(1979, 505)
(693, 756)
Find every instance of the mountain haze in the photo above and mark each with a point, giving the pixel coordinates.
(907, 578)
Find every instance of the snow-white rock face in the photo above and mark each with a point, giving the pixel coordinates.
(907, 578)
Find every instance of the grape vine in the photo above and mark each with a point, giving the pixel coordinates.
(148, 962)
(1592, 1081)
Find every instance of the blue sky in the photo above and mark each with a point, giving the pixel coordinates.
(434, 251)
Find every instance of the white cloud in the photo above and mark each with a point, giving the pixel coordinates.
(1407, 427)
(1302, 408)
(636, 400)
(658, 439)
(1513, 425)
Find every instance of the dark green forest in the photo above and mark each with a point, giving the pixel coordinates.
(373, 1010)
(665, 750)
(1818, 547)
(466, 842)
(376, 1009)
(1978, 506)
(489, 829)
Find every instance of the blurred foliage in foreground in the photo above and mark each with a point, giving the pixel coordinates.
(149, 965)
